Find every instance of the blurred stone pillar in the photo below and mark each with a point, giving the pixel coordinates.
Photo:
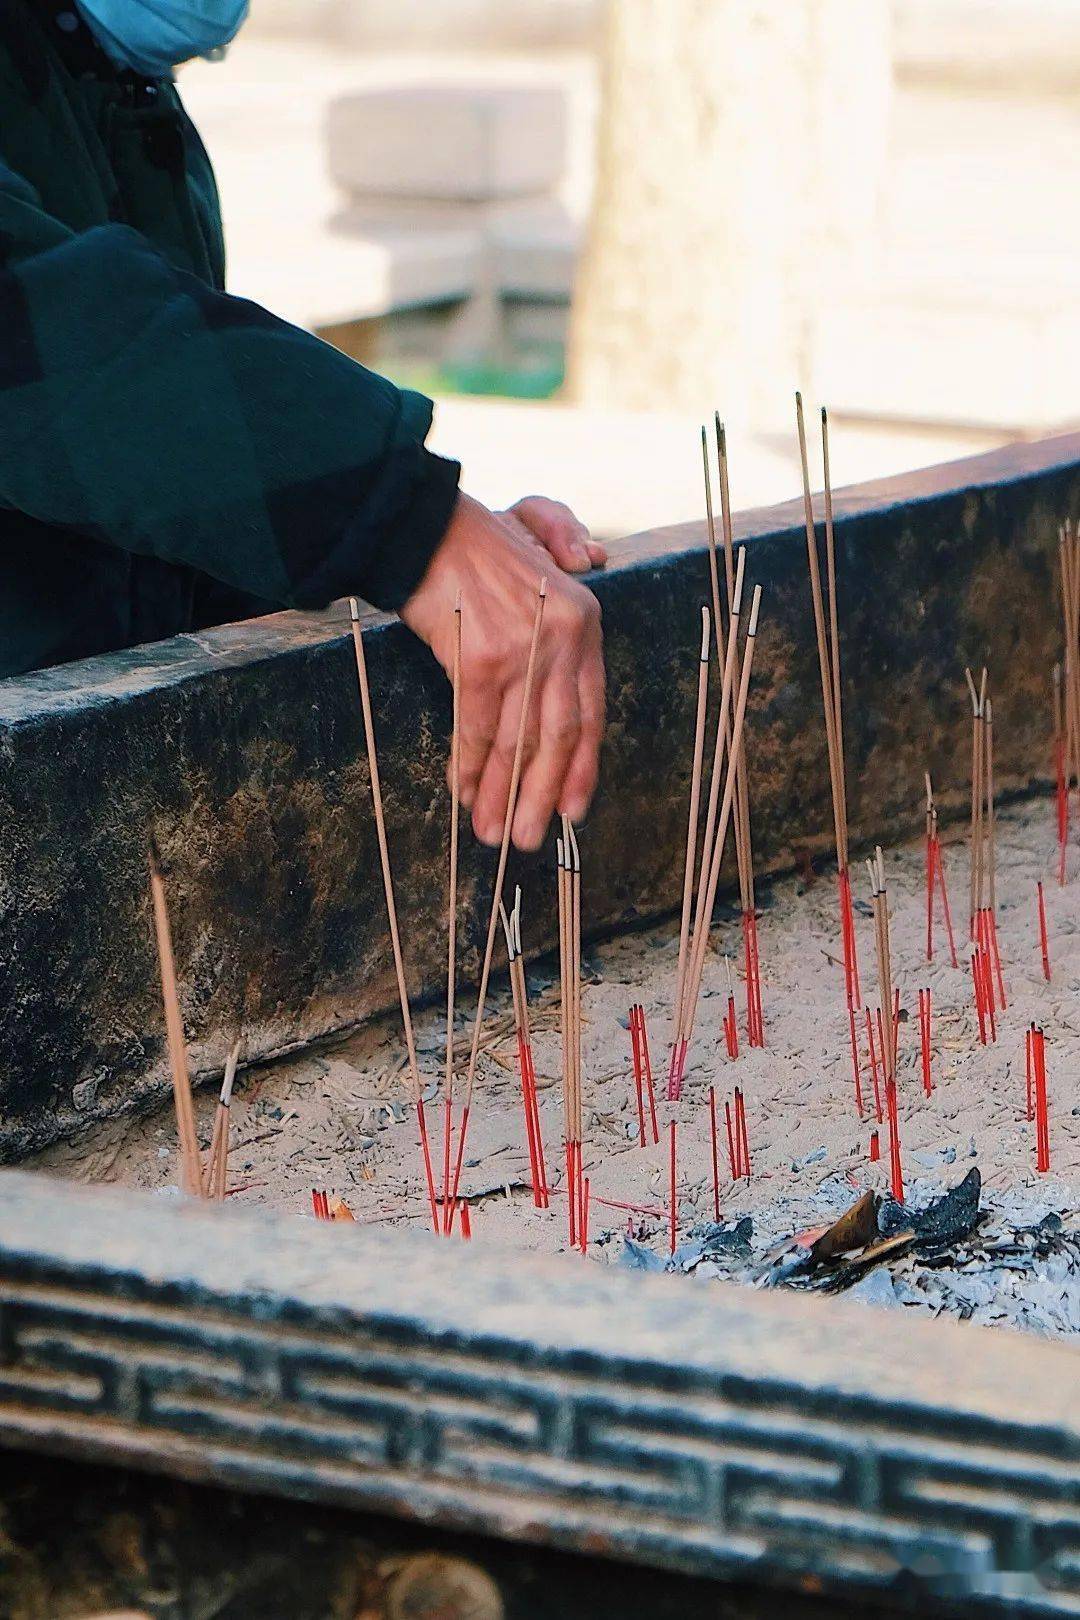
(741, 163)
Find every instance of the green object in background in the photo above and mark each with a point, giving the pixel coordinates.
(538, 377)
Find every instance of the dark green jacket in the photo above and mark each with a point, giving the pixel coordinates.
(169, 456)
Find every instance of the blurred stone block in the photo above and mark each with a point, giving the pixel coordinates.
(470, 143)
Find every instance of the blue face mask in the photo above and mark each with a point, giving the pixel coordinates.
(154, 36)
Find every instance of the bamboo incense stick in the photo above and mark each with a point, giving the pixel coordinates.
(692, 825)
(191, 1176)
(707, 899)
(500, 877)
(384, 852)
(218, 1165)
(824, 660)
(1043, 943)
(829, 672)
(575, 960)
(452, 906)
(681, 1034)
(566, 1023)
(743, 861)
(743, 845)
(391, 906)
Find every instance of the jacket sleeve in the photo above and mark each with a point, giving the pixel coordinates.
(143, 407)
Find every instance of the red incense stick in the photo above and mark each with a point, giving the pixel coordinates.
(715, 1154)
(740, 1133)
(647, 1061)
(1029, 1073)
(639, 1093)
(1042, 934)
(855, 1060)
(875, 1147)
(896, 1172)
(755, 1026)
(1042, 1122)
(1062, 808)
(674, 1210)
(977, 980)
(585, 1219)
(466, 1222)
(924, 1032)
(730, 1143)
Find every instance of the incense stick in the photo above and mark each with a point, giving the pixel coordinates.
(691, 829)
(707, 899)
(452, 904)
(191, 1176)
(218, 1165)
(681, 1037)
(500, 877)
(391, 906)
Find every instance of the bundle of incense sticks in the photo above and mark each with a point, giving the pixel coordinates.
(1069, 560)
(716, 825)
(935, 878)
(1062, 796)
(218, 1163)
(569, 887)
(879, 898)
(643, 1076)
(326, 1211)
(828, 649)
(192, 1179)
(412, 1072)
(744, 853)
(496, 901)
(1036, 1095)
(519, 993)
(984, 844)
(924, 1040)
(737, 1139)
(983, 985)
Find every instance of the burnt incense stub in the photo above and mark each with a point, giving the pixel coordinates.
(720, 1432)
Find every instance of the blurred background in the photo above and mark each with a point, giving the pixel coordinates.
(584, 224)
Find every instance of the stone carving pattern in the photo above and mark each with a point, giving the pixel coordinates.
(711, 1478)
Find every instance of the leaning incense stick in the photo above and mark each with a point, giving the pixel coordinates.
(413, 1071)
(701, 937)
(452, 909)
(824, 662)
(691, 832)
(681, 1035)
(500, 876)
(575, 963)
(743, 848)
(217, 1168)
(455, 815)
(384, 852)
(191, 1176)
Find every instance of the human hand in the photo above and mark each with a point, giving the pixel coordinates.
(563, 536)
(497, 569)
